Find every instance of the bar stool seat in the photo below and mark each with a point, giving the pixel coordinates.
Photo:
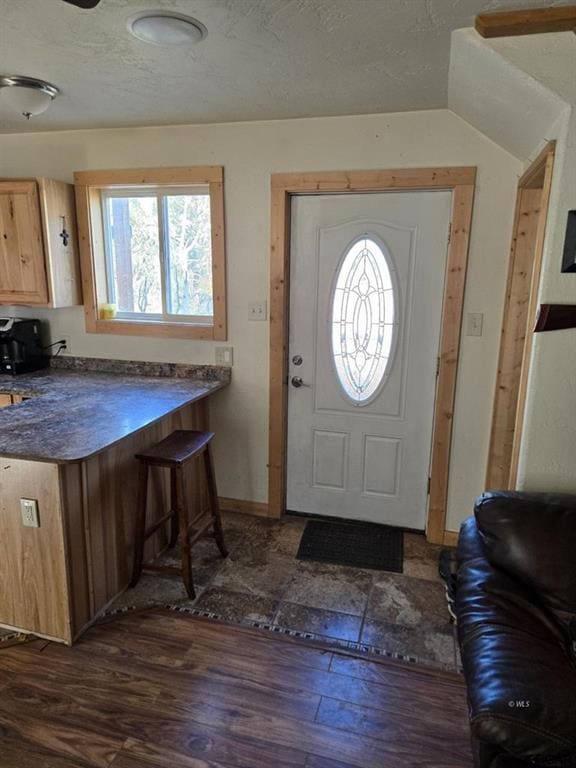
(175, 452)
(176, 449)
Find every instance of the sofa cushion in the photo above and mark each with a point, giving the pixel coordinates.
(532, 536)
(520, 674)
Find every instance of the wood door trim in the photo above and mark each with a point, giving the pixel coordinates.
(535, 175)
(514, 357)
(546, 162)
(461, 182)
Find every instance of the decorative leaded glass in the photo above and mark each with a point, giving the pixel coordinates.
(363, 320)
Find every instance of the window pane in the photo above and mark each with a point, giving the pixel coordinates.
(189, 256)
(363, 320)
(134, 261)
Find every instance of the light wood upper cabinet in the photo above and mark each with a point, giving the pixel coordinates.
(22, 272)
(36, 267)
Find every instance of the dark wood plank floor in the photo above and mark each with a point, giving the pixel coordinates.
(164, 690)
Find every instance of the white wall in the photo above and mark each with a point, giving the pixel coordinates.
(502, 101)
(537, 75)
(250, 152)
(548, 450)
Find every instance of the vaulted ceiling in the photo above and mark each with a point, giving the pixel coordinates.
(262, 59)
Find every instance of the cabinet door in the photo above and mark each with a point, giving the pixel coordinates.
(62, 260)
(22, 268)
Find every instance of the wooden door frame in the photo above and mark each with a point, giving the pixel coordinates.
(461, 182)
(512, 379)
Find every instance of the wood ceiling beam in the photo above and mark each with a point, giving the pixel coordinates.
(527, 22)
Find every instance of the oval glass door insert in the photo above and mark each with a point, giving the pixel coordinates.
(363, 320)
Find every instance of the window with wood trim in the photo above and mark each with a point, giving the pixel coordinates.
(152, 246)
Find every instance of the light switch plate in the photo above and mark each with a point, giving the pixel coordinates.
(224, 355)
(29, 512)
(474, 324)
(258, 310)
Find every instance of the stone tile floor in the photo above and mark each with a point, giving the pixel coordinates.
(262, 581)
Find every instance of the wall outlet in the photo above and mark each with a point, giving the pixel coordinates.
(258, 310)
(29, 512)
(224, 355)
(474, 324)
(66, 350)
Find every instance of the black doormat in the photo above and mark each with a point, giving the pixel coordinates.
(361, 545)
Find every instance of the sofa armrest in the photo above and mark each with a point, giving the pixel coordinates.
(532, 536)
(518, 663)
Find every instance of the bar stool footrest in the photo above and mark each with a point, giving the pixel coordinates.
(158, 524)
(156, 568)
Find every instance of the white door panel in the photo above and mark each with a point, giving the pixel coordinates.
(359, 427)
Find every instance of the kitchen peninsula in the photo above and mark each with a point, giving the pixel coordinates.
(69, 445)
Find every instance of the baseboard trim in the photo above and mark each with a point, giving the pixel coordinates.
(244, 507)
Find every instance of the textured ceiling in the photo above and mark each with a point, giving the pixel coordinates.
(262, 59)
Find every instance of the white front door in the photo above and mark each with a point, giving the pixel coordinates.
(366, 286)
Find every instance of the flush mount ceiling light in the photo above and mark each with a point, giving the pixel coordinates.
(27, 95)
(166, 28)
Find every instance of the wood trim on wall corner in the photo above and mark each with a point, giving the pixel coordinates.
(461, 181)
(518, 319)
(546, 159)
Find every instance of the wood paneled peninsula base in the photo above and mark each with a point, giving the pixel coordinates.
(71, 447)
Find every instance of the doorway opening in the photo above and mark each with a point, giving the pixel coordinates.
(520, 307)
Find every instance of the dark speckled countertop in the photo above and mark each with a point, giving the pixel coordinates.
(75, 413)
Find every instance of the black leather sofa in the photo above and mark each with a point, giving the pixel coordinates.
(515, 607)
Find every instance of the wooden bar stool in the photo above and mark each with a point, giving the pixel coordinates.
(175, 452)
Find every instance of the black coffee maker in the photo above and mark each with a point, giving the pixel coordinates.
(20, 346)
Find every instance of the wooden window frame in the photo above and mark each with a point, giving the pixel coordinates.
(88, 185)
(461, 182)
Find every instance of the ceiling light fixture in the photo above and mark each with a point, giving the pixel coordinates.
(166, 28)
(27, 95)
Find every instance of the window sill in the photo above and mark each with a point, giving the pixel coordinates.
(156, 328)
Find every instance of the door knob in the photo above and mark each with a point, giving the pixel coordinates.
(297, 382)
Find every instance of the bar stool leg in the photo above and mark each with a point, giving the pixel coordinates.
(174, 510)
(214, 506)
(186, 567)
(140, 532)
